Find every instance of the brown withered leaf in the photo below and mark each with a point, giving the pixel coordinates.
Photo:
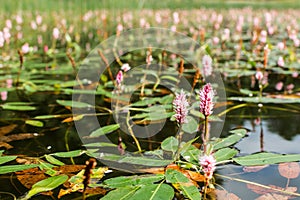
(289, 170)
(69, 169)
(31, 176)
(6, 145)
(193, 176)
(222, 194)
(27, 160)
(95, 190)
(14, 137)
(153, 170)
(254, 168)
(73, 118)
(7, 129)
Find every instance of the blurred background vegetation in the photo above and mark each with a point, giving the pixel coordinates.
(82, 5)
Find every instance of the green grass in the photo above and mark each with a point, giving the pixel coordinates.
(83, 5)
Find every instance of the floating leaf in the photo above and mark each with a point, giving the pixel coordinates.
(48, 168)
(123, 181)
(46, 185)
(5, 159)
(74, 104)
(265, 158)
(254, 168)
(230, 140)
(17, 106)
(6, 145)
(69, 154)
(289, 170)
(14, 137)
(34, 123)
(7, 129)
(154, 192)
(29, 177)
(14, 168)
(170, 144)
(53, 160)
(145, 161)
(191, 126)
(100, 144)
(123, 193)
(222, 194)
(74, 118)
(186, 186)
(105, 130)
(225, 154)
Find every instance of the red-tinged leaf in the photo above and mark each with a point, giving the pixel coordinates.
(289, 170)
(222, 194)
(254, 168)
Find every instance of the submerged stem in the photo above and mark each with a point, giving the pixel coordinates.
(131, 133)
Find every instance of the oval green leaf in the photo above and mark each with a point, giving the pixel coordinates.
(46, 185)
(104, 130)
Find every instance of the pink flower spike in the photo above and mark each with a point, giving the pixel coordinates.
(119, 78)
(280, 45)
(259, 75)
(208, 164)
(279, 86)
(125, 67)
(290, 87)
(280, 62)
(206, 100)
(55, 33)
(207, 65)
(9, 83)
(180, 105)
(25, 48)
(4, 95)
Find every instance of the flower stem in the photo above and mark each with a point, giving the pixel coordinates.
(179, 138)
(206, 129)
(132, 134)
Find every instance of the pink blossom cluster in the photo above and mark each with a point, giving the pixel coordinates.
(208, 164)
(206, 100)
(180, 106)
(207, 65)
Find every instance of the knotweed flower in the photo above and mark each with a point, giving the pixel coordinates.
(206, 99)
(125, 67)
(280, 45)
(279, 86)
(290, 88)
(280, 62)
(9, 83)
(207, 65)
(216, 40)
(119, 78)
(25, 48)
(55, 33)
(180, 105)
(3, 95)
(259, 75)
(263, 36)
(208, 164)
